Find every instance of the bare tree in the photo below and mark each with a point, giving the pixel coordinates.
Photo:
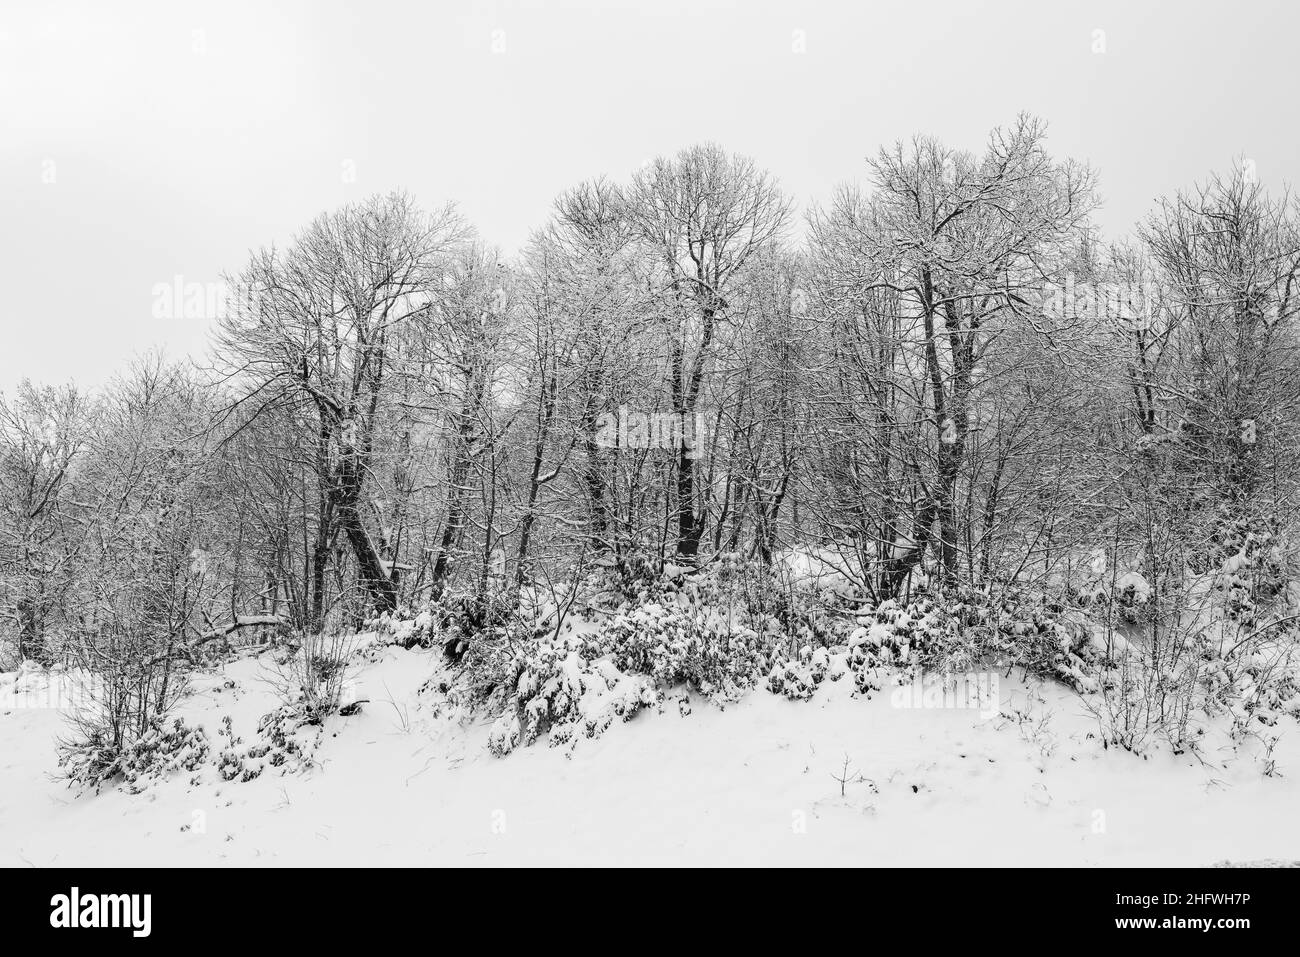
(966, 245)
(42, 434)
(320, 330)
(702, 216)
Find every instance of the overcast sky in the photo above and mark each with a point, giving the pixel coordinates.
(140, 141)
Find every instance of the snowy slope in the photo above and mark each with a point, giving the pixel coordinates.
(754, 784)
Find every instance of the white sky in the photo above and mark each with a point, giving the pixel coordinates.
(180, 134)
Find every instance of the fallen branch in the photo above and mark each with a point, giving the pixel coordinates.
(247, 621)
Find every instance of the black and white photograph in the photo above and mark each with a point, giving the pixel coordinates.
(650, 434)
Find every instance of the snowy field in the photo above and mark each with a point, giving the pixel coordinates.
(762, 782)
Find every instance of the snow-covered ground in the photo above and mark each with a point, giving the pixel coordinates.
(757, 783)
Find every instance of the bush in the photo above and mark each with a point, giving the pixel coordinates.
(286, 739)
(10, 659)
(799, 678)
(696, 646)
(720, 632)
(1171, 684)
(558, 689)
(163, 748)
(129, 701)
(576, 686)
(312, 678)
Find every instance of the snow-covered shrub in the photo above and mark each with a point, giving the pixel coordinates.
(462, 616)
(285, 740)
(162, 749)
(10, 658)
(1254, 682)
(578, 684)
(1105, 584)
(799, 678)
(1249, 568)
(558, 689)
(312, 682)
(1172, 683)
(902, 633)
(407, 628)
(639, 575)
(972, 629)
(793, 678)
(311, 679)
(730, 627)
(697, 646)
(91, 760)
(123, 701)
